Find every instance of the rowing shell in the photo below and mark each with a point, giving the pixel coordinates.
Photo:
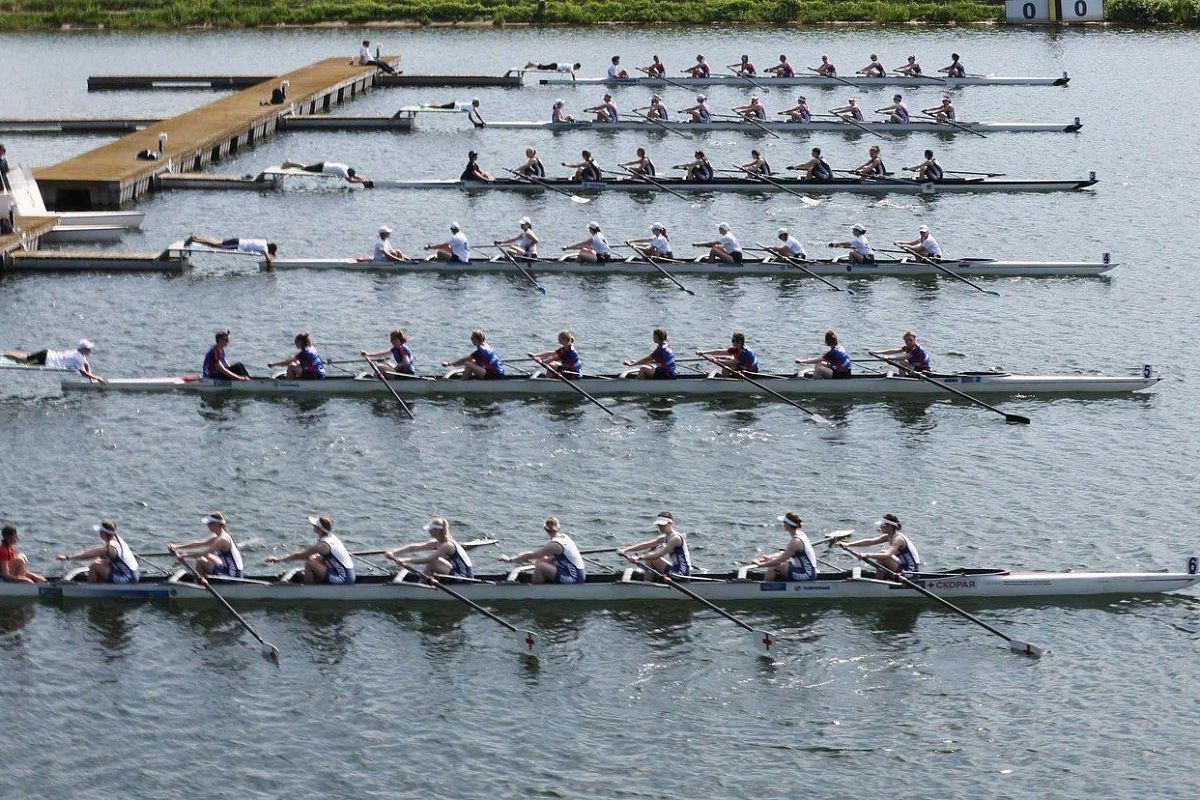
(816, 80)
(865, 385)
(867, 186)
(984, 584)
(816, 126)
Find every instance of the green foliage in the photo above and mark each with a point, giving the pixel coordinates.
(1139, 12)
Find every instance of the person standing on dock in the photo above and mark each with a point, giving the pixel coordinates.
(76, 359)
(260, 247)
(217, 367)
(14, 565)
(367, 60)
(455, 250)
(348, 174)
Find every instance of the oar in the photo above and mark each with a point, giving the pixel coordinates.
(658, 267)
(940, 268)
(1024, 648)
(665, 79)
(800, 266)
(379, 374)
(983, 174)
(522, 270)
(766, 179)
(637, 176)
(914, 373)
(527, 640)
(597, 562)
(538, 182)
(851, 121)
(578, 388)
(837, 78)
(764, 638)
(751, 121)
(269, 651)
(666, 127)
(466, 545)
(749, 80)
(956, 125)
(812, 414)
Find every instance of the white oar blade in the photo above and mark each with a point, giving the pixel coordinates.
(1025, 648)
(270, 652)
(528, 643)
(581, 200)
(763, 641)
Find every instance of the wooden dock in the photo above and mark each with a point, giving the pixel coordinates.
(108, 83)
(30, 231)
(113, 174)
(100, 261)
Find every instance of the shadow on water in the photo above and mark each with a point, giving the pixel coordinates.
(15, 617)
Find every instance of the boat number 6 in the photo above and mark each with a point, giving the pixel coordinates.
(1192, 564)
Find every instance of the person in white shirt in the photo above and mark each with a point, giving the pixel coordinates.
(76, 359)
(860, 248)
(456, 249)
(923, 245)
(615, 73)
(565, 67)
(384, 250)
(524, 244)
(113, 561)
(367, 60)
(260, 247)
(789, 246)
(658, 244)
(725, 248)
(593, 249)
(348, 174)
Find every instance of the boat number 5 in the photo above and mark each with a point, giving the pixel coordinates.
(1192, 564)
(1147, 370)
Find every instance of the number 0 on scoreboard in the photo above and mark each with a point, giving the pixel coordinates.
(1041, 12)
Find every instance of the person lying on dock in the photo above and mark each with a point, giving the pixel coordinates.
(874, 69)
(556, 561)
(384, 251)
(656, 245)
(14, 565)
(397, 360)
(76, 359)
(455, 250)
(217, 366)
(910, 68)
(367, 60)
(923, 245)
(699, 70)
(660, 364)
(799, 112)
(594, 249)
(781, 70)
(348, 174)
(816, 168)
(735, 357)
(564, 358)
(327, 561)
(833, 363)
(557, 115)
(615, 73)
(826, 69)
(216, 554)
(473, 172)
(482, 363)
(796, 561)
(565, 67)
(113, 561)
(860, 249)
(913, 354)
(259, 247)
(306, 365)
(447, 557)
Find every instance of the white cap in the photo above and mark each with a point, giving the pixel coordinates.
(658, 226)
(524, 221)
(660, 521)
(888, 522)
(107, 526)
(923, 229)
(858, 228)
(700, 98)
(212, 518)
(454, 226)
(316, 523)
(385, 229)
(593, 225)
(85, 344)
(432, 527)
(558, 103)
(724, 226)
(781, 232)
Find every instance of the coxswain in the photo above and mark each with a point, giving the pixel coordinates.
(757, 165)
(725, 248)
(564, 358)
(860, 249)
(874, 69)
(701, 112)
(217, 554)
(556, 561)
(217, 366)
(524, 244)
(699, 169)
(14, 565)
(816, 168)
(667, 552)
(586, 170)
(258, 247)
(563, 67)
(657, 245)
(446, 556)
(799, 112)
(326, 561)
(955, 69)
(642, 165)
(593, 249)
(533, 166)
(456, 249)
(915, 357)
(473, 172)
(851, 110)
(306, 365)
(796, 561)
(113, 561)
(752, 110)
(384, 251)
(826, 69)
(736, 357)
(743, 68)
(482, 363)
(833, 363)
(348, 174)
(76, 359)
(923, 245)
(910, 68)
(700, 70)
(897, 111)
(557, 115)
(873, 167)
(789, 246)
(944, 112)
(782, 70)
(660, 364)
(899, 554)
(398, 359)
(655, 69)
(615, 73)
(927, 170)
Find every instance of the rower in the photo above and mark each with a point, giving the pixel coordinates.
(757, 165)
(606, 112)
(447, 557)
(799, 112)
(699, 70)
(524, 244)
(473, 172)
(564, 358)
(851, 110)
(897, 111)
(586, 170)
(923, 245)
(655, 69)
(482, 363)
(915, 357)
(14, 565)
(735, 357)
(562, 67)
(615, 73)
(701, 112)
(557, 115)
(955, 69)
(218, 554)
(899, 554)
(667, 552)
(660, 364)
(725, 248)
(796, 561)
(384, 251)
(927, 170)
(752, 110)
(826, 69)
(816, 168)
(700, 169)
(556, 561)
(533, 166)
(348, 174)
(76, 359)
(943, 112)
(743, 68)
(306, 365)
(593, 249)
(874, 69)
(873, 167)
(113, 561)
(217, 367)
(259, 247)
(658, 109)
(397, 360)
(860, 249)
(658, 244)
(327, 561)
(833, 363)
(642, 165)
(783, 69)
(456, 249)
(910, 68)
(789, 246)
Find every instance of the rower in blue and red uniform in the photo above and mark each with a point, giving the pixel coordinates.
(481, 363)
(216, 366)
(564, 358)
(833, 363)
(660, 364)
(307, 364)
(913, 354)
(735, 357)
(397, 360)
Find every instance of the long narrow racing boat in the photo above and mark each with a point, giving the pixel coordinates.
(776, 126)
(812, 79)
(699, 385)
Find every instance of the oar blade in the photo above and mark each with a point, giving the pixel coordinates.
(581, 200)
(270, 652)
(527, 642)
(1016, 419)
(763, 641)
(820, 420)
(1025, 648)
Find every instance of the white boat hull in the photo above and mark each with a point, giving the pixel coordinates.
(816, 126)
(84, 233)
(29, 203)
(812, 79)
(872, 186)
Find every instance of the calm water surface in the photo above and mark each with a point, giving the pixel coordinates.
(645, 701)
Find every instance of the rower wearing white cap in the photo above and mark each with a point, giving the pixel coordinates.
(897, 111)
(923, 245)
(456, 249)
(556, 561)
(796, 561)
(667, 552)
(657, 244)
(852, 110)
(799, 112)
(326, 561)
(593, 249)
(943, 112)
(789, 246)
(446, 555)
(76, 359)
(860, 248)
(899, 554)
(533, 166)
(113, 561)
(927, 170)
(781, 70)
(874, 69)
(524, 244)
(384, 251)
(642, 165)
(218, 554)
(910, 68)
(752, 110)
(699, 112)
(725, 248)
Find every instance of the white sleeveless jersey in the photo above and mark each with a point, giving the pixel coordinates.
(802, 537)
(338, 551)
(570, 551)
(122, 552)
(912, 548)
(235, 554)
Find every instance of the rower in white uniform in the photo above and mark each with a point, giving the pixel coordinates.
(861, 251)
(667, 552)
(76, 359)
(593, 249)
(556, 561)
(217, 554)
(615, 73)
(910, 68)
(873, 69)
(326, 561)
(384, 251)
(256, 247)
(348, 174)
(446, 556)
(524, 244)
(897, 111)
(725, 248)
(898, 554)
(796, 561)
(799, 112)
(753, 110)
(456, 249)
(113, 561)
(657, 245)
(789, 246)
(923, 245)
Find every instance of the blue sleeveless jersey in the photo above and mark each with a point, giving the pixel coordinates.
(568, 356)
(211, 360)
(664, 361)
(401, 355)
(487, 358)
(311, 363)
(839, 360)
